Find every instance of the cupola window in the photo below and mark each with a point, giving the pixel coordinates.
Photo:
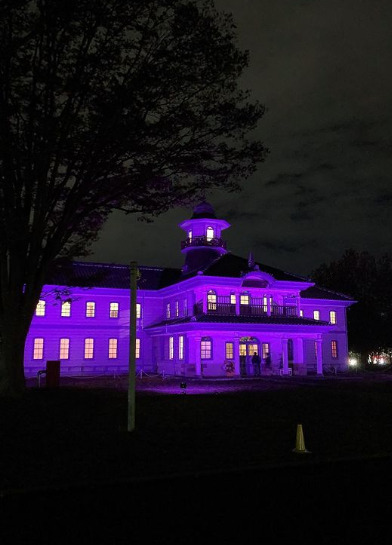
(210, 233)
(190, 235)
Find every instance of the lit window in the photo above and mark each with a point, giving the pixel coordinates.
(210, 233)
(265, 303)
(90, 309)
(113, 349)
(301, 313)
(190, 235)
(177, 308)
(113, 312)
(334, 349)
(265, 349)
(332, 317)
(137, 351)
(66, 309)
(229, 351)
(40, 308)
(232, 299)
(206, 348)
(211, 300)
(64, 349)
(38, 353)
(181, 347)
(168, 310)
(138, 310)
(185, 307)
(171, 348)
(244, 299)
(88, 349)
(316, 315)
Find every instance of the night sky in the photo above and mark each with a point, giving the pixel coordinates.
(323, 70)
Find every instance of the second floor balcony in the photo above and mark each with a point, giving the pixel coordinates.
(256, 307)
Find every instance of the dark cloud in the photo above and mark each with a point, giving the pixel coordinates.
(323, 69)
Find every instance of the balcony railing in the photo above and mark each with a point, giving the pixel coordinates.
(203, 241)
(223, 307)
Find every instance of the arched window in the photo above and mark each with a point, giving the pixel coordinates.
(210, 233)
(211, 300)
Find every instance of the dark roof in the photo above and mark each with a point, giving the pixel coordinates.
(107, 275)
(230, 265)
(213, 318)
(315, 292)
(203, 210)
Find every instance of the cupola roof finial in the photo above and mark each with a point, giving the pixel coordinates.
(251, 261)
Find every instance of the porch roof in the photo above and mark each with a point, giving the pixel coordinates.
(208, 318)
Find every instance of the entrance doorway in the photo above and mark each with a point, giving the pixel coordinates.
(247, 347)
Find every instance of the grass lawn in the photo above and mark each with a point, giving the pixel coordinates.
(76, 434)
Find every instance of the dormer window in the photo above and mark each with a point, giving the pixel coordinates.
(210, 233)
(244, 299)
(190, 235)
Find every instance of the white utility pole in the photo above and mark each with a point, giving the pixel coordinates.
(132, 346)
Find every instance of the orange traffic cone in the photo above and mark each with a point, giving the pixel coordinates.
(300, 442)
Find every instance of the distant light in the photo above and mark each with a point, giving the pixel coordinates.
(353, 362)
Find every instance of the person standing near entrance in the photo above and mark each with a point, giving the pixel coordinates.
(256, 360)
(243, 366)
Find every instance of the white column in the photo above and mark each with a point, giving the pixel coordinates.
(237, 304)
(319, 359)
(197, 356)
(299, 350)
(285, 356)
(204, 302)
(236, 355)
(268, 305)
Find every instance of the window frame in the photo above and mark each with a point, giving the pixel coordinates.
(211, 300)
(137, 348)
(210, 230)
(229, 350)
(39, 349)
(206, 341)
(86, 348)
(333, 313)
(65, 304)
(61, 348)
(41, 305)
(245, 295)
(318, 315)
(88, 313)
(112, 311)
(171, 348)
(334, 349)
(181, 345)
(112, 350)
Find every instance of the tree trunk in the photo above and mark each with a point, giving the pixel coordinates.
(12, 381)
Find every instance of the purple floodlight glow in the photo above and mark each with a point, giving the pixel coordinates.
(219, 308)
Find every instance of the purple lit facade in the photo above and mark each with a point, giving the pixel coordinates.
(218, 308)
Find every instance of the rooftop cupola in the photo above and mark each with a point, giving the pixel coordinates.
(203, 243)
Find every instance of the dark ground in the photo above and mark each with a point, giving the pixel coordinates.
(214, 463)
